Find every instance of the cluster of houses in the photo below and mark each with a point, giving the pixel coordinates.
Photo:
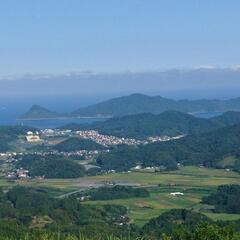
(164, 138)
(55, 132)
(106, 140)
(18, 173)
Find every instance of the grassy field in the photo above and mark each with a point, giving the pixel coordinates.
(187, 176)
(194, 182)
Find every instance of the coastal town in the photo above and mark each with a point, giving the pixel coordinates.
(105, 140)
(47, 138)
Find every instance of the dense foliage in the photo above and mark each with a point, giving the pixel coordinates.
(204, 231)
(225, 199)
(120, 158)
(9, 134)
(76, 144)
(206, 149)
(176, 219)
(34, 209)
(116, 192)
(201, 232)
(51, 166)
(31, 213)
(170, 123)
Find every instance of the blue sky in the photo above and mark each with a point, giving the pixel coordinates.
(57, 36)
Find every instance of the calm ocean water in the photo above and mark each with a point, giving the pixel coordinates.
(12, 108)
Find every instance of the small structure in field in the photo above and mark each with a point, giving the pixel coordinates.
(176, 194)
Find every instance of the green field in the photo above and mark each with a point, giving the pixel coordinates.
(194, 182)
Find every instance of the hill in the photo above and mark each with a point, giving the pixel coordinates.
(9, 134)
(38, 112)
(140, 103)
(173, 220)
(51, 166)
(137, 104)
(75, 144)
(226, 119)
(63, 216)
(170, 123)
(207, 149)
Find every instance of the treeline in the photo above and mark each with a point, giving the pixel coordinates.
(201, 232)
(50, 166)
(76, 144)
(116, 192)
(225, 199)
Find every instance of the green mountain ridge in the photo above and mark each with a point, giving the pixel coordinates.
(140, 103)
(38, 112)
(136, 104)
(169, 123)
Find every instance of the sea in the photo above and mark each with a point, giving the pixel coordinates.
(12, 108)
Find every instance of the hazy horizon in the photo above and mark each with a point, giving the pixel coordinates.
(173, 83)
(89, 51)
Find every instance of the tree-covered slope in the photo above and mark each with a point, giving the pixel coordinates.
(173, 220)
(140, 103)
(207, 149)
(51, 166)
(9, 134)
(33, 208)
(137, 104)
(75, 144)
(169, 123)
(38, 112)
(226, 119)
(225, 199)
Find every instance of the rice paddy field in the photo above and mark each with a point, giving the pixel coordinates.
(193, 182)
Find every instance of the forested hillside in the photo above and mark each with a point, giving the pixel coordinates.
(169, 123)
(207, 149)
(50, 166)
(140, 103)
(76, 144)
(48, 218)
(10, 133)
(226, 199)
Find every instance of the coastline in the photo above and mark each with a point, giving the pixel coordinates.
(60, 118)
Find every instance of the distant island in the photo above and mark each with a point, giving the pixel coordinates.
(136, 104)
(38, 112)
